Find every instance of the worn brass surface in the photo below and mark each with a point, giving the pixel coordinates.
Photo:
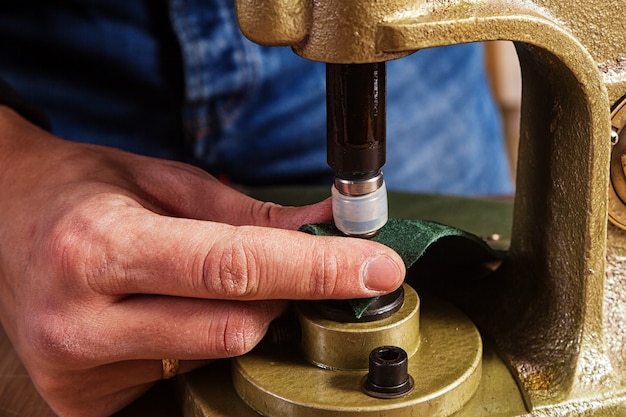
(209, 392)
(446, 368)
(335, 345)
(617, 185)
(545, 309)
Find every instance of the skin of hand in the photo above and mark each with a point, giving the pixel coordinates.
(111, 261)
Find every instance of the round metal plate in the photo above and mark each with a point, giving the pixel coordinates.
(446, 369)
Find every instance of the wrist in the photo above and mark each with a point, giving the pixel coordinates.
(10, 138)
(11, 98)
(23, 146)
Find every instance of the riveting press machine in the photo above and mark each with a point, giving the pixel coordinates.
(552, 317)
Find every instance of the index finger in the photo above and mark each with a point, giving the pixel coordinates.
(193, 258)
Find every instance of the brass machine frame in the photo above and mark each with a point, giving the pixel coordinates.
(559, 322)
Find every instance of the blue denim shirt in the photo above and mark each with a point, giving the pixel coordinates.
(178, 80)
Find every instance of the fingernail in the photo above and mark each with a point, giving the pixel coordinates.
(381, 274)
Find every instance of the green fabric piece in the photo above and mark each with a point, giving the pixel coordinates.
(411, 239)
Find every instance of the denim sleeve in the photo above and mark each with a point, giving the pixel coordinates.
(257, 115)
(104, 72)
(176, 79)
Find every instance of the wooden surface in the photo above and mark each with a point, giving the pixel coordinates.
(18, 396)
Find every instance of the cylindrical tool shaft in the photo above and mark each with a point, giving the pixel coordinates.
(356, 119)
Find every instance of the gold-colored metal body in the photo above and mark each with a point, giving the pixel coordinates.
(445, 362)
(554, 312)
(331, 344)
(617, 185)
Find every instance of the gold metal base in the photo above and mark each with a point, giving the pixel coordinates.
(346, 346)
(280, 382)
(209, 392)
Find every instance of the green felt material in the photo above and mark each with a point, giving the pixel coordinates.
(411, 239)
(482, 217)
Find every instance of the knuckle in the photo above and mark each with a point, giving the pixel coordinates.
(241, 332)
(67, 243)
(265, 213)
(64, 247)
(77, 246)
(324, 280)
(57, 340)
(231, 271)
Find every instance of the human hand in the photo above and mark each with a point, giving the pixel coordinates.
(110, 262)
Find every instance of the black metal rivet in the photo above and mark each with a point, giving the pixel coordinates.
(388, 375)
